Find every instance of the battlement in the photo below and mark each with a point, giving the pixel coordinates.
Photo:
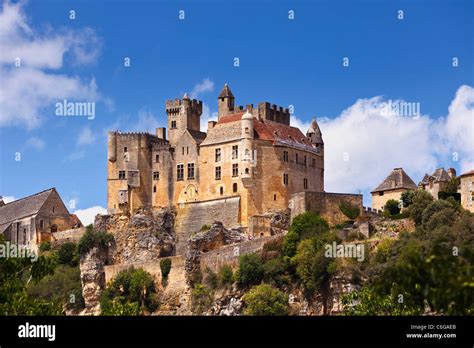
(174, 106)
(274, 113)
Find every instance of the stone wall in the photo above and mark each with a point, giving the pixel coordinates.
(192, 216)
(324, 203)
(72, 235)
(378, 201)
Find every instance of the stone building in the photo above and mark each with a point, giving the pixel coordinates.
(251, 159)
(392, 187)
(467, 190)
(30, 220)
(437, 181)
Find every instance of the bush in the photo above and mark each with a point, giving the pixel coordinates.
(210, 278)
(226, 276)
(201, 298)
(205, 228)
(45, 246)
(304, 226)
(274, 270)
(250, 270)
(391, 207)
(445, 195)
(265, 300)
(349, 210)
(420, 201)
(92, 239)
(407, 198)
(67, 254)
(165, 266)
(128, 289)
(438, 213)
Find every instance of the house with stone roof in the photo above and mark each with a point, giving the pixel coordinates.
(30, 220)
(467, 190)
(392, 187)
(437, 181)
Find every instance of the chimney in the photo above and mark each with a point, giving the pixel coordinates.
(161, 133)
(452, 172)
(211, 124)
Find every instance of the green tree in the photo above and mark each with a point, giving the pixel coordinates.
(350, 210)
(265, 300)
(407, 198)
(67, 254)
(391, 207)
(250, 270)
(225, 276)
(165, 267)
(201, 298)
(420, 201)
(92, 239)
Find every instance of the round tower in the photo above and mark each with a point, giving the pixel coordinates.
(247, 136)
(314, 133)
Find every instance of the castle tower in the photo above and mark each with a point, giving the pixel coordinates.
(182, 114)
(225, 101)
(247, 135)
(314, 133)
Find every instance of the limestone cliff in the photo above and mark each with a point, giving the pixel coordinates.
(92, 279)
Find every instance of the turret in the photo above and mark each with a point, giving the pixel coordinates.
(183, 114)
(314, 133)
(247, 135)
(225, 101)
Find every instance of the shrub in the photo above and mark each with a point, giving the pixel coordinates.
(210, 278)
(201, 298)
(407, 198)
(67, 254)
(205, 228)
(250, 270)
(45, 246)
(226, 276)
(446, 195)
(165, 266)
(265, 300)
(350, 210)
(438, 213)
(421, 200)
(92, 239)
(391, 207)
(273, 271)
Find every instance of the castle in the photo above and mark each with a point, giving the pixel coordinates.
(250, 161)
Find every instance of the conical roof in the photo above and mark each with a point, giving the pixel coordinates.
(226, 92)
(397, 179)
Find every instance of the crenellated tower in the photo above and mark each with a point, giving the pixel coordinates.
(183, 114)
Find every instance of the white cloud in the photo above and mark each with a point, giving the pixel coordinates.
(87, 215)
(75, 156)
(8, 199)
(206, 85)
(86, 137)
(28, 90)
(207, 116)
(35, 143)
(147, 122)
(376, 142)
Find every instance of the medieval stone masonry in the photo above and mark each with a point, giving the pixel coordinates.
(251, 158)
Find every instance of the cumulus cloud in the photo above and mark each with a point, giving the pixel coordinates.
(146, 122)
(207, 116)
(206, 85)
(27, 58)
(364, 143)
(85, 137)
(8, 199)
(87, 215)
(35, 143)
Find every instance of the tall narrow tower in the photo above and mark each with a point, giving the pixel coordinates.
(225, 101)
(182, 114)
(314, 133)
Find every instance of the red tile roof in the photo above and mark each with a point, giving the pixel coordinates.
(230, 118)
(471, 172)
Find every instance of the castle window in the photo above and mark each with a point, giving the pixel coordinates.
(121, 174)
(218, 155)
(235, 151)
(53, 209)
(234, 187)
(285, 179)
(154, 188)
(304, 160)
(274, 197)
(313, 162)
(41, 224)
(222, 99)
(173, 124)
(222, 190)
(156, 175)
(296, 157)
(125, 149)
(246, 171)
(235, 169)
(183, 150)
(157, 159)
(187, 150)
(380, 193)
(180, 172)
(285, 156)
(190, 170)
(247, 130)
(218, 173)
(305, 183)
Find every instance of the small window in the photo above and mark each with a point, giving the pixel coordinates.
(222, 190)
(156, 175)
(274, 197)
(190, 170)
(218, 155)
(247, 130)
(304, 160)
(235, 151)
(53, 209)
(246, 171)
(121, 174)
(313, 162)
(173, 124)
(125, 149)
(41, 224)
(235, 169)
(305, 183)
(157, 159)
(296, 158)
(218, 173)
(285, 179)
(183, 150)
(285, 156)
(222, 99)
(187, 150)
(380, 193)
(234, 187)
(180, 172)
(154, 188)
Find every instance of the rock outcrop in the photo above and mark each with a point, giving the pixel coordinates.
(145, 236)
(92, 279)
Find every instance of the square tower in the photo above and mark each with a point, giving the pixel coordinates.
(182, 114)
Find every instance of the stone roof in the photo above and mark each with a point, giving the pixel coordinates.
(226, 92)
(469, 173)
(23, 207)
(197, 135)
(397, 179)
(439, 175)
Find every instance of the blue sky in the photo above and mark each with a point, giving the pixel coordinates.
(288, 62)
